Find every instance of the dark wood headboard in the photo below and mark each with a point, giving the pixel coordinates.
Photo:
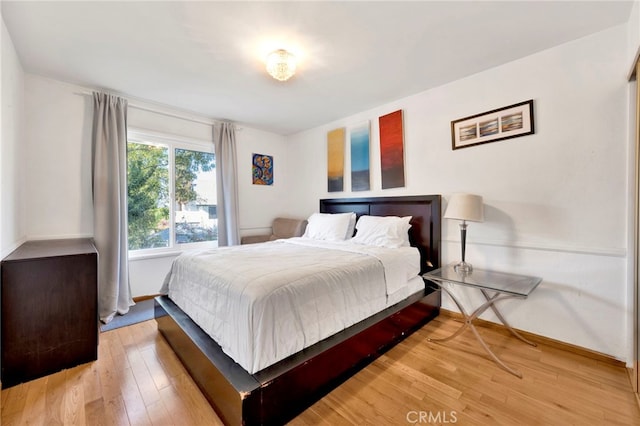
(425, 232)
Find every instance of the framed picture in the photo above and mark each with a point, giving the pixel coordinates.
(503, 123)
(262, 169)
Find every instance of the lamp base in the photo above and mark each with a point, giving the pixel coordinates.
(463, 268)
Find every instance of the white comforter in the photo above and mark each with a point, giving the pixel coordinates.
(264, 302)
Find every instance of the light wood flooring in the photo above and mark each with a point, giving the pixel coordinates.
(138, 380)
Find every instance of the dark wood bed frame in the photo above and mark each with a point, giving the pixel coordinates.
(280, 392)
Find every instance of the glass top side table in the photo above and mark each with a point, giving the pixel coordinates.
(494, 286)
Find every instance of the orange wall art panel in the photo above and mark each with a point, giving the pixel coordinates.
(392, 150)
(335, 160)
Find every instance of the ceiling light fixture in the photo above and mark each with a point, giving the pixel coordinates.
(281, 65)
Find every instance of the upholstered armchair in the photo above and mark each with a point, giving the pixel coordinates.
(281, 228)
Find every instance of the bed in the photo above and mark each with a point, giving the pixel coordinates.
(275, 393)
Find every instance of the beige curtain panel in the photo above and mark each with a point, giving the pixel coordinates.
(226, 179)
(109, 172)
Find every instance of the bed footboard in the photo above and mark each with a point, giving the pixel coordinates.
(278, 393)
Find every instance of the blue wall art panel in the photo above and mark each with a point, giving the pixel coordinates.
(360, 165)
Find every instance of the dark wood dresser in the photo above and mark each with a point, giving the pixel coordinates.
(49, 302)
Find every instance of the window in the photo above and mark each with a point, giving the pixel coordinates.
(171, 193)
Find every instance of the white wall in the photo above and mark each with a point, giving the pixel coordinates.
(555, 201)
(12, 229)
(633, 49)
(633, 38)
(259, 204)
(58, 170)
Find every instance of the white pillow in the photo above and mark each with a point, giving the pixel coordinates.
(330, 226)
(383, 231)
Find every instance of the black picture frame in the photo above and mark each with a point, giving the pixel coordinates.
(499, 124)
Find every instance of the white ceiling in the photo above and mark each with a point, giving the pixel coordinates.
(206, 57)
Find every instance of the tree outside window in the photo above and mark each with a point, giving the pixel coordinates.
(152, 168)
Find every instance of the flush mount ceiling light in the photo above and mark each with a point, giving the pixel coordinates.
(281, 65)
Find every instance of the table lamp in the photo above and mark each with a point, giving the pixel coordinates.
(464, 207)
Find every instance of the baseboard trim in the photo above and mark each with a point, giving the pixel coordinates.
(632, 380)
(578, 350)
(141, 298)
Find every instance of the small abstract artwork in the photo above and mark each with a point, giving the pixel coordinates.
(335, 160)
(496, 125)
(488, 128)
(262, 169)
(360, 165)
(512, 122)
(468, 132)
(392, 150)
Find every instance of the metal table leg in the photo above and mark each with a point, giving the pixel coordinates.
(504, 321)
(468, 323)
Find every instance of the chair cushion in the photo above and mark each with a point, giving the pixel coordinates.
(287, 228)
(252, 239)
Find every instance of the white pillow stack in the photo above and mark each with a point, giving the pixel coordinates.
(383, 231)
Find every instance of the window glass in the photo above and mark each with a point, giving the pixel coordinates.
(171, 194)
(148, 196)
(195, 197)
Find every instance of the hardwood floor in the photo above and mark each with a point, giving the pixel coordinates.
(138, 380)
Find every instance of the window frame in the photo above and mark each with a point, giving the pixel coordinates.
(171, 142)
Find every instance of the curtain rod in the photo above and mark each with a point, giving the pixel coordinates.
(134, 104)
(169, 114)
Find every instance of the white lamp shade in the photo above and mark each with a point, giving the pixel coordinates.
(465, 207)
